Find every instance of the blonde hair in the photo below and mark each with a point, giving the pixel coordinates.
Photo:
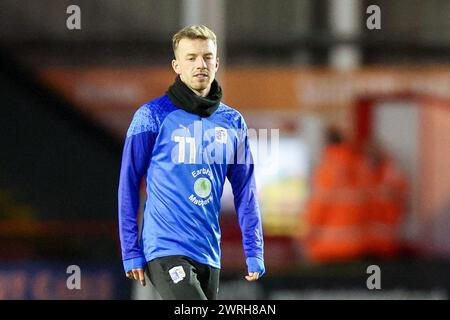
(193, 32)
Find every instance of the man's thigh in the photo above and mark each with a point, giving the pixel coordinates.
(210, 284)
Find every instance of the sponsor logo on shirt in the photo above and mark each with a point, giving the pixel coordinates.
(202, 187)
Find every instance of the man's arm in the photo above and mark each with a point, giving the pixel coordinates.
(242, 179)
(135, 161)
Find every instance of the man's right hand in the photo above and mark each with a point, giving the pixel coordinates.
(136, 274)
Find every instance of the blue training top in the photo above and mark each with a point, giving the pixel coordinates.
(186, 159)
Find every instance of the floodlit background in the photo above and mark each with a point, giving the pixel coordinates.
(356, 112)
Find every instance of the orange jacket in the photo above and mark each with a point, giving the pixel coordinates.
(336, 213)
(387, 196)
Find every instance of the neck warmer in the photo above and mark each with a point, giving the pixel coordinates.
(184, 98)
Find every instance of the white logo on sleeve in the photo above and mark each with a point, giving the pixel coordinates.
(177, 274)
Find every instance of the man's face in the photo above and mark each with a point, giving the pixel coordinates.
(196, 62)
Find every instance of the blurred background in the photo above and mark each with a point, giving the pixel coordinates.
(359, 91)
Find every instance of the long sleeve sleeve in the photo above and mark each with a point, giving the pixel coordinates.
(135, 162)
(242, 179)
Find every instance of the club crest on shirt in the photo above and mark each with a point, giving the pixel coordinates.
(177, 274)
(221, 135)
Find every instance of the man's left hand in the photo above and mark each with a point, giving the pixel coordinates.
(256, 268)
(252, 276)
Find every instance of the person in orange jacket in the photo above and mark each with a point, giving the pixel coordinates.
(336, 213)
(387, 203)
